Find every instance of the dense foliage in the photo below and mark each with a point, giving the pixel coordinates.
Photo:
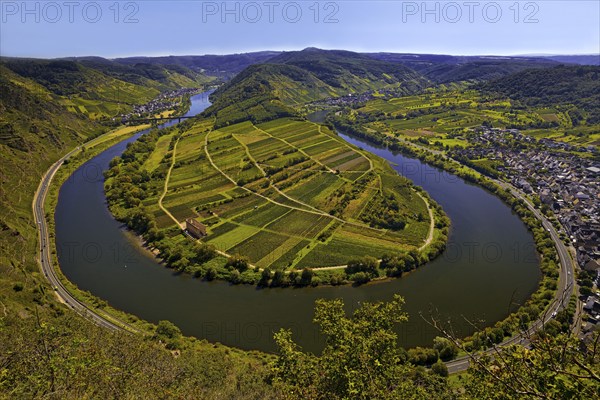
(66, 357)
(362, 360)
(576, 85)
(446, 68)
(267, 91)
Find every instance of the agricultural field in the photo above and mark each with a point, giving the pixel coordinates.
(286, 194)
(445, 116)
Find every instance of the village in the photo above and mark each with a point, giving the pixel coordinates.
(165, 101)
(565, 183)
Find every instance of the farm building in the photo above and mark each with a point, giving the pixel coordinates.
(195, 228)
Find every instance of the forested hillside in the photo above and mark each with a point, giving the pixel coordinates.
(224, 66)
(267, 91)
(561, 85)
(446, 68)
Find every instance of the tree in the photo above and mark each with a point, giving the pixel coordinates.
(360, 278)
(278, 278)
(167, 330)
(306, 276)
(211, 274)
(446, 349)
(366, 264)
(265, 277)
(439, 368)
(235, 276)
(204, 252)
(361, 358)
(238, 262)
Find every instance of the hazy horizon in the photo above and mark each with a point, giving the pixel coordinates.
(300, 49)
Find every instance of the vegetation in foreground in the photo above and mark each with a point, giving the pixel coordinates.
(362, 360)
(66, 357)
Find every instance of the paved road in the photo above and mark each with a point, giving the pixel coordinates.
(45, 258)
(564, 290)
(561, 298)
(563, 293)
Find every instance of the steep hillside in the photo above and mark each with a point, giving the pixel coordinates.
(562, 85)
(161, 77)
(267, 91)
(351, 72)
(100, 89)
(590, 59)
(252, 95)
(34, 130)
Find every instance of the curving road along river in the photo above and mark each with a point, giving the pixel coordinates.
(45, 259)
(97, 255)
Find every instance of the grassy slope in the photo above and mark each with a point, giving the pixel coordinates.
(79, 359)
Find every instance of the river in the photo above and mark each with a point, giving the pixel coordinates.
(488, 269)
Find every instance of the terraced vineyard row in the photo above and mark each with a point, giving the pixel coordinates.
(285, 194)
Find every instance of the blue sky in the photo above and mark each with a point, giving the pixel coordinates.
(125, 28)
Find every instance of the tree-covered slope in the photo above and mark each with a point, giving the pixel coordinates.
(446, 68)
(267, 91)
(352, 72)
(561, 85)
(101, 89)
(214, 65)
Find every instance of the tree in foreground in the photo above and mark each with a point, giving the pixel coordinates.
(555, 364)
(555, 367)
(361, 359)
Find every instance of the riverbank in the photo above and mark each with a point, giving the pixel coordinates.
(244, 317)
(135, 190)
(540, 301)
(81, 155)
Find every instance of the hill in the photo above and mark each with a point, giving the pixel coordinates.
(34, 130)
(446, 68)
(224, 66)
(584, 59)
(100, 89)
(267, 91)
(561, 85)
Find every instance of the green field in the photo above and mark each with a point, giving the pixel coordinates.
(445, 116)
(285, 194)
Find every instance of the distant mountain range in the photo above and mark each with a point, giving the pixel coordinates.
(441, 67)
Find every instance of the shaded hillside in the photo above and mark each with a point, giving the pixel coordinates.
(446, 69)
(252, 94)
(215, 65)
(74, 76)
(100, 89)
(351, 72)
(562, 85)
(162, 77)
(267, 91)
(588, 59)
